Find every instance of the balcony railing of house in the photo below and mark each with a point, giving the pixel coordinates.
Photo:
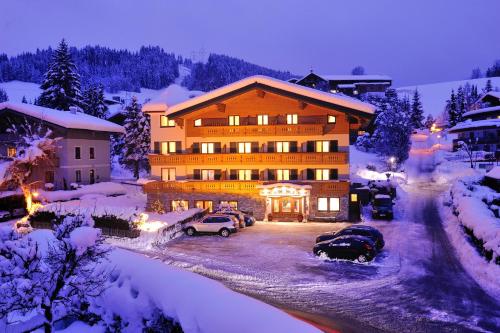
(249, 159)
(257, 130)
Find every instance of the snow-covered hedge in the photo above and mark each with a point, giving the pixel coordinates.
(106, 188)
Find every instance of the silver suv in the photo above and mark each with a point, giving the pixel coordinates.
(220, 224)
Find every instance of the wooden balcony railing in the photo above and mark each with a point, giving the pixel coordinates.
(318, 188)
(250, 159)
(256, 130)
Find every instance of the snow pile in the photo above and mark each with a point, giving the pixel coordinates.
(494, 173)
(106, 188)
(84, 237)
(173, 94)
(141, 285)
(369, 166)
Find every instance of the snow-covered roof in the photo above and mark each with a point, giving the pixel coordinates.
(373, 77)
(469, 124)
(495, 94)
(347, 86)
(64, 119)
(173, 94)
(382, 196)
(336, 99)
(494, 173)
(483, 110)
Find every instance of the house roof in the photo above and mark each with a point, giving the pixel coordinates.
(478, 124)
(483, 110)
(494, 173)
(273, 85)
(64, 119)
(495, 94)
(173, 94)
(350, 78)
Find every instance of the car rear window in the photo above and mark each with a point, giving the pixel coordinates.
(221, 219)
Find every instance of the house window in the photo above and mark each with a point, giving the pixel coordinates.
(204, 204)
(322, 146)
(92, 153)
(283, 147)
(245, 174)
(244, 147)
(165, 122)
(354, 197)
(78, 176)
(180, 205)
(207, 174)
(234, 120)
(167, 174)
(283, 174)
(168, 147)
(197, 123)
(232, 203)
(207, 148)
(332, 119)
(328, 204)
(262, 119)
(78, 153)
(49, 177)
(322, 174)
(292, 119)
(91, 176)
(11, 152)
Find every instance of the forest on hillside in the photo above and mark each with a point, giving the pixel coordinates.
(149, 67)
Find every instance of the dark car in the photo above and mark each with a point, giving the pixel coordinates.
(382, 207)
(246, 220)
(360, 230)
(249, 220)
(347, 247)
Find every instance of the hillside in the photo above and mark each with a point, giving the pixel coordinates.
(434, 95)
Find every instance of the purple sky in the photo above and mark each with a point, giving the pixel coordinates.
(413, 41)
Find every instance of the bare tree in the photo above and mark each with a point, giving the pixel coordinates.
(468, 148)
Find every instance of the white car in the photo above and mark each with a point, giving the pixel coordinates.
(220, 224)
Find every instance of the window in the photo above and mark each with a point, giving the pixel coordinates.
(78, 153)
(322, 174)
(244, 147)
(197, 123)
(282, 147)
(322, 146)
(328, 204)
(245, 174)
(354, 197)
(167, 174)
(207, 148)
(207, 174)
(11, 152)
(92, 153)
(234, 120)
(292, 119)
(332, 119)
(232, 203)
(262, 119)
(204, 204)
(180, 205)
(168, 147)
(165, 122)
(283, 174)
(78, 176)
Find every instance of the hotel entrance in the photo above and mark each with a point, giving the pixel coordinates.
(286, 202)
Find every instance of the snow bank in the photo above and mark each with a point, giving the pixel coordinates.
(106, 188)
(83, 237)
(199, 304)
(494, 173)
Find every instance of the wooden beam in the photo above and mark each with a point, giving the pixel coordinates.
(221, 107)
(261, 93)
(302, 105)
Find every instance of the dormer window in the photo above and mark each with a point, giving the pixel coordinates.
(332, 119)
(165, 122)
(197, 123)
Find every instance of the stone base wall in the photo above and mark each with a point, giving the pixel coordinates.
(341, 215)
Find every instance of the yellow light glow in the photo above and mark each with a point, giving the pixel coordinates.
(151, 226)
(35, 194)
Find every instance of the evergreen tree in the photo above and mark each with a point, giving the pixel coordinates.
(488, 86)
(24, 100)
(429, 121)
(476, 73)
(136, 139)
(451, 109)
(61, 86)
(461, 104)
(358, 70)
(93, 101)
(3, 96)
(417, 111)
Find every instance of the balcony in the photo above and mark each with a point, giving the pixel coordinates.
(256, 130)
(251, 159)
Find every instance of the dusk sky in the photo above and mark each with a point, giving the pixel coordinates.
(412, 41)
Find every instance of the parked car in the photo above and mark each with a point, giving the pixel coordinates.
(220, 224)
(249, 220)
(360, 230)
(245, 220)
(382, 207)
(4, 215)
(347, 247)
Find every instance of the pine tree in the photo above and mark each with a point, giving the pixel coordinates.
(417, 111)
(451, 109)
(429, 121)
(476, 73)
(3, 96)
(136, 139)
(61, 86)
(488, 86)
(93, 101)
(461, 104)
(24, 100)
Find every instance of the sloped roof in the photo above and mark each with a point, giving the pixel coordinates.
(478, 124)
(64, 119)
(483, 110)
(275, 84)
(358, 78)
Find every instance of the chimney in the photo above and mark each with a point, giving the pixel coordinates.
(73, 109)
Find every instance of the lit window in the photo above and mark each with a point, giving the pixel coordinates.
(168, 147)
(323, 204)
(354, 197)
(167, 174)
(332, 119)
(245, 174)
(292, 119)
(244, 147)
(165, 122)
(355, 92)
(283, 174)
(328, 204)
(180, 205)
(234, 120)
(11, 152)
(283, 147)
(207, 174)
(334, 204)
(207, 148)
(232, 203)
(204, 204)
(322, 174)
(322, 146)
(262, 119)
(197, 123)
